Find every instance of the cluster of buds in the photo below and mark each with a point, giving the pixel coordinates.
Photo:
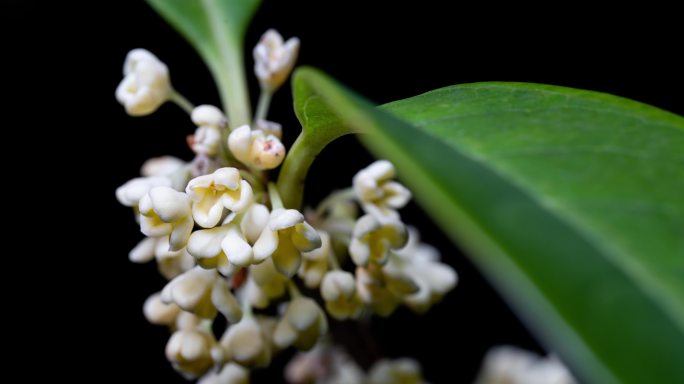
(222, 237)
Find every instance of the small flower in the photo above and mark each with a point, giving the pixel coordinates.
(229, 245)
(404, 370)
(162, 166)
(189, 351)
(170, 263)
(130, 193)
(210, 121)
(301, 325)
(338, 289)
(159, 313)
(202, 292)
(377, 193)
(285, 237)
(264, 284)
(433, 279)
(165, 211)
(504, 365)
(231, 373)
(374, 292)
(256, 148)
(146, 84)
(372, 240)
(210, 194)
(273, 60)
(247, 344)
(315, 263)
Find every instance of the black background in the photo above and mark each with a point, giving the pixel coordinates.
(385, 51)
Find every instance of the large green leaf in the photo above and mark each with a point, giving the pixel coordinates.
(216, 28)
(572, 202)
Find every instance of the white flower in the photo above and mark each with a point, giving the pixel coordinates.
(210, 194)
(130, 193)
(210, 121)
(229, 245)
(146, 83)
(256, 148)
(231, 373)
(374, 292)
(404, 371)
(247, 344)
(165, 211)
(372, 240)
(162, 166)
(315, 263)
(510, 365)
(264, 284)
(159, 313)
(377, 193)
(301, 325)
(338, 289)
(202, 292)
(433, 279)
(285, 237)
(189, 351)
(273, 60)
(323, 365)
(170, 263)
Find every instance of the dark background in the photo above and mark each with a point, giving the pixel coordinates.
(386, 51)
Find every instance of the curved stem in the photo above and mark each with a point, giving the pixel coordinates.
(181, 101)
(294, 170)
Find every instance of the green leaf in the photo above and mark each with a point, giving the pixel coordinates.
(216, 29)
(572, 202)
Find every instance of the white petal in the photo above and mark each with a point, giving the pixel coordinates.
(284, 218)
(240, 142)
(254, 221)
(228, 177)
(359, 252)
(169, 204)
(238, 251)
(180, 234)
(144, 251)
(161, 166)
(207, 115)
(305, 238)
(265, 245)
(225, 302)
(206, 243)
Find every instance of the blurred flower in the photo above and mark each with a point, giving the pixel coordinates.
(273, 60)
(146, 83)
(372, 240)
(377, 193)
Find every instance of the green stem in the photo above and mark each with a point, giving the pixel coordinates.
(181, 101)
(293, 290)
(274, 196)
(294, 170)
(230, 74)
(262, 106)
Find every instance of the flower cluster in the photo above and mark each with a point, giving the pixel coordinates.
(222, 237)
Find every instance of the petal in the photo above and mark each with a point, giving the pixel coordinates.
(196, 186)
(254, 221)
(240, 142)
(305, 238)
(284, 335)
(359, 252)
(180, 234)
(206, 243)
(207, 115)
(207, 213)
(225, 302)
(265, 245)
(286, 257)
(285, 218)
(161, 166)
(243, 201)
(153, 227)
(397, 194)
(238, 251)
(144, 251)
